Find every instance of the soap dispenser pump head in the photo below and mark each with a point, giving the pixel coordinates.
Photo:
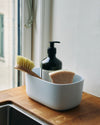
(52, 49)
(52, 43)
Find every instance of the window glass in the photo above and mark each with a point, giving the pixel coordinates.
(1, 36)
(8, 43)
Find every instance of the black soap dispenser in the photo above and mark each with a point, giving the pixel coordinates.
(50, 63)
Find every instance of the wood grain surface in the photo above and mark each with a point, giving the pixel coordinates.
(87, 113)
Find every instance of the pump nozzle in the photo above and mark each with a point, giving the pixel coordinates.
(52, 49)
(52, 43)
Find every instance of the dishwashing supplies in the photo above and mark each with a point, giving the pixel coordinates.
(25, 65)
(50, 63)
(56, 96)
(62, 77)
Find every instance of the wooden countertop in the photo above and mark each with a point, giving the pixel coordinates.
(87, 113)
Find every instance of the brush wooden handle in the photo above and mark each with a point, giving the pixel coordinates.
(27, 71)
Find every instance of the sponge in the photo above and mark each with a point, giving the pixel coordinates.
(62, 77)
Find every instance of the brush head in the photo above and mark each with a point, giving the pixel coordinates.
(25, 63)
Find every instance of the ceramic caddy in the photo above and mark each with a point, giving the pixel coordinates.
(55, 96)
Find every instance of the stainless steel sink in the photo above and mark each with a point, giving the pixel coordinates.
(11, 114)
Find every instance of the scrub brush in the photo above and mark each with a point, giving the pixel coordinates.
(26, 65)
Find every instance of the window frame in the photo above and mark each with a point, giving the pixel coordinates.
(2, 42)
(25, 37)
(26, 32)
(41, 29)
(34, 39)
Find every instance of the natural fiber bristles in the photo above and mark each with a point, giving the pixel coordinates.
(25, 63)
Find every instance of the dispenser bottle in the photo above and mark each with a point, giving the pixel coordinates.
(50, 63)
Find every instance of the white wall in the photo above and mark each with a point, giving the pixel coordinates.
(76, 23)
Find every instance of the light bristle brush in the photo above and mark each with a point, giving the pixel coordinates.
(26, 65)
